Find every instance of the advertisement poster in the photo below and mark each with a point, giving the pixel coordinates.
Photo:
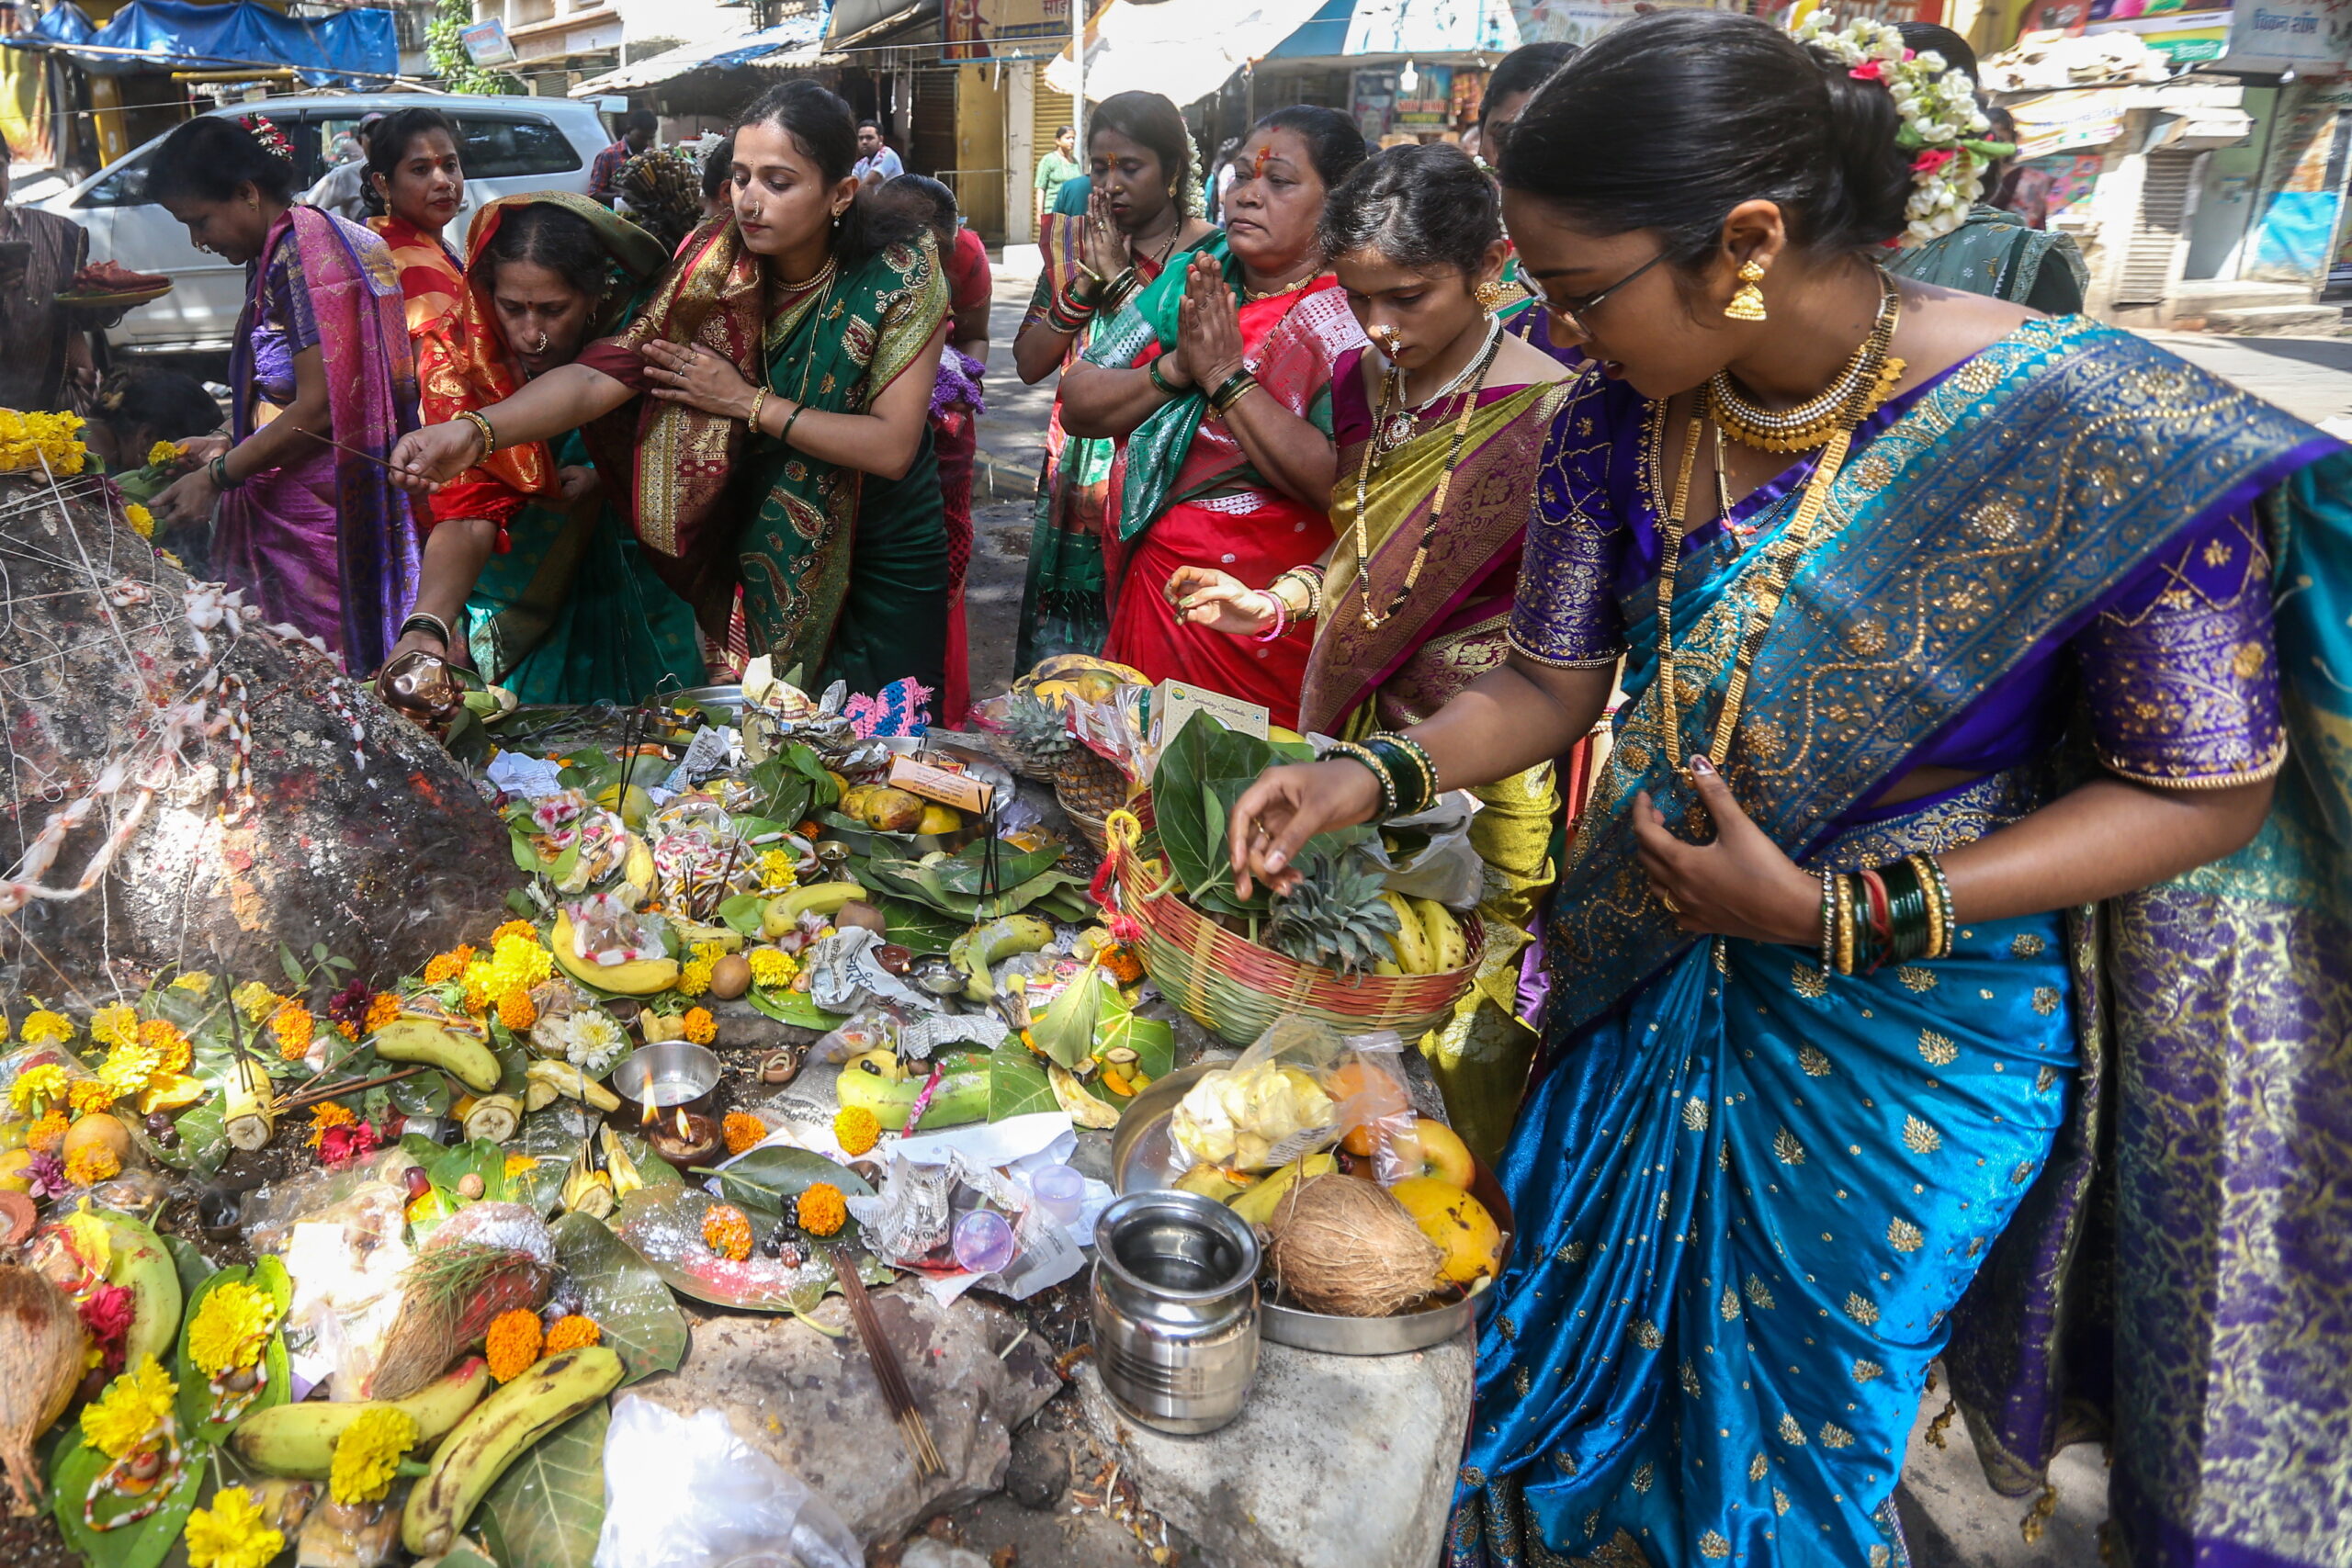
(2310, 38)
(2061, 122)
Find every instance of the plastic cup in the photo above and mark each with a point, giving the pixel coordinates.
(1060, 1192)
(983, 1242)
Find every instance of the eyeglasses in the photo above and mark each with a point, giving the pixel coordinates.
(1573, 311)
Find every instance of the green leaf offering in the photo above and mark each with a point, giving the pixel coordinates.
(548, 1508)
(1065, 1031)
(622, 1295)
(198, 1406)
(1017, 1083)
(143, 1544)
(769, 1179)
(1153, 1039)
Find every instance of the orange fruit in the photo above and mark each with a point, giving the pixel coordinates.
(1368, 1097)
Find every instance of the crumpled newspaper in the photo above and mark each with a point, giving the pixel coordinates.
(711, 751)
(844, 976)
(928, 1033)
(909, 1217)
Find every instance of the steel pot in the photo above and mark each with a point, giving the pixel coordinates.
(1175, 1304)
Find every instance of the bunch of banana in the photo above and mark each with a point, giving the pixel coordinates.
(299, 1439)
(493, 1435)
(587, 1192)
(1429, 937)
(784, 912)
(549, 1080)
(618, 1163)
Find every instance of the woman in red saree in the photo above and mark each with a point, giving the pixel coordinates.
(1225, 454)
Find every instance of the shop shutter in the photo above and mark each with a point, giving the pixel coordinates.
(1049, 113)
(2152, 259)
(931, 147)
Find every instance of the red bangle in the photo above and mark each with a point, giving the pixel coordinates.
(1879, 913)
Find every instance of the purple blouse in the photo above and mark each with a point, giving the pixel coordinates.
(2176, 661)
(286, 327)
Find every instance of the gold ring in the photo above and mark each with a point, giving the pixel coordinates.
(1667, 899)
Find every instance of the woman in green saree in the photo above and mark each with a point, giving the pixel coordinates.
(539, 584)
(1440, 428)
(783, 457)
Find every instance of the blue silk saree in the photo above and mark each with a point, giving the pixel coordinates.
(1754, 1201)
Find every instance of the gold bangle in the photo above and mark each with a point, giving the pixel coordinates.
(759, 401)
(1845, 925)
(481, 422)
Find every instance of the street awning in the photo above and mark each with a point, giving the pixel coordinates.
(1430, 29)
(784, 44)
(1182, 48)
(348, 49)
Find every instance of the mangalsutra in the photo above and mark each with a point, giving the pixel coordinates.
(1476, 377)
(1870, 373)
(1397, 428)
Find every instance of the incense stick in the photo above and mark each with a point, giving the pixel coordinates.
(896, 1393)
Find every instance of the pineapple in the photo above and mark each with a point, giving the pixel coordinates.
(1085, 783)
(1335, 919)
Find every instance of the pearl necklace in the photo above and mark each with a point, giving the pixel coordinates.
(1871, 374)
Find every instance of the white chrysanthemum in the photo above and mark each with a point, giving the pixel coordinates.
(596, 1042)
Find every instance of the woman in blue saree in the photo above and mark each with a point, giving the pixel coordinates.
(1934, 874)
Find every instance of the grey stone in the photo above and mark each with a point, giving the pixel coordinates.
(1092, 1156)
(1337, 1461)
(1039, 1472)
(930, 1553)
(812, 1403)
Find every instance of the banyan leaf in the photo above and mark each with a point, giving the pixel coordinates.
(625, 1297)
(548, 1508)
(792, 1008)
(663, 1227)
(743, 913)
(427, 1094)
(145, 1544)
(196, 1399)
(919, 929)
(768, 1179)
(1065, 1029)
(1017, 1083)
(968, 871)
(1152, 1039)
(194, 1270)
(480, 1158)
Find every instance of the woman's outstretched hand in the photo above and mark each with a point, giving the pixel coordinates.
(437, 452)
(1288, 806)
(700, 378)
(1740, 884)
(1219, 600)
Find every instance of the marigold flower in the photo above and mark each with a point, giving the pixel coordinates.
(523, 928)
(773, 967)
(367, 1454)
(232, 1533)
(519, 1165)
(744, 1131)
(141, 521)
(821, 1210)
(45, 1084)
(727, 1233)
(255, 1000)
(47, 1133)
(856, 1129)
(383, 1008)
(161, 453)
(573, 1332)
(5, 1028)
(89, 1095)
(130, 1068)
(446, 967)
(92, 1164)
(778, 871)
(700, 1027)
(114, 1025)
(513, 1344)
(134, 1404)
(170, 1045)
(325, 1116)
(194, 980)
(295, 1028)
(230, 1328)
(43, 1027)
(1124, 966)
(694, 980)
(517, 1012)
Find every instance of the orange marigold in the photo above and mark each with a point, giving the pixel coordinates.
(517, 1012)
(821, 1210)
(572, 1333)
(727, 1233)
(513, 1344)
(383, 1008)
(1124, 966)
(700, 1027)
(448, 965)
(294, 1027)
(744, 1131)
(327, 1115)
(856, 1129)
(47, 1133)
(92, 1164)
(170, 1043)
(513, 928)
(86, 1095)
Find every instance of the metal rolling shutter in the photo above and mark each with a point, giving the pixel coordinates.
(931, 145)
(1050, 111)
(2152, 259)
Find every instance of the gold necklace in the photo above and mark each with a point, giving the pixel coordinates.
(822, 275)
(1868, 372)
(1373, 620)
(1251, 295)
(1397, 427)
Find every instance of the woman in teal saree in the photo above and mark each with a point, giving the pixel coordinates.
(2006, 628)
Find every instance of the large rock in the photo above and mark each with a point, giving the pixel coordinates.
(812, 1404)
(362, 833)
(1337, 1461)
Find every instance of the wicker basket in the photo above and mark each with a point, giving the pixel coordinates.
(1238, 989)
(1094, 828)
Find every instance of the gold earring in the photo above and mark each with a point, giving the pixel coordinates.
(1748, 300)
(1492, 295)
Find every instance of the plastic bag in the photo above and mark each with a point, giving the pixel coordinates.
(1272, 1105)
(1447, 868)
(685, 1492)
(1375, 1106)
(869, 1029)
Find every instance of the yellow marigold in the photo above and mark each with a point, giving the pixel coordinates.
(44, 1085)
(170, 1045)
(47, 1134)
(194, 980)
(325, 1115)
(513, 1345)
(778, 871)
(115, 1025)
(520, 1165)
(700, 1027)
(141, 521)
(383, 1008)
(694, 978)
(523, 928)
(821, 1210)
(43, 1027)
(856, 1129)
(163, 452)
(294, 1027)
(515, 1010)
(230, 1328)
(93, 1163)
(5, 1028)
(134, 1405)
(367, 1454)
(232, 1533)
(744, 1131)
(727, 1233)
(773, 967)
(448, 965)
(709, 952)
(91, 1094)
(348, 1031)
(518, 962)
(572, 1333)
(255, 1000)
(130, 1068)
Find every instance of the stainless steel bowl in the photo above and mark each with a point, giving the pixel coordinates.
(675, 1073)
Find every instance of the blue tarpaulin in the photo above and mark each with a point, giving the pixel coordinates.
(349, 48)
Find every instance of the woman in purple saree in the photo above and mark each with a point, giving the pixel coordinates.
(309, 524)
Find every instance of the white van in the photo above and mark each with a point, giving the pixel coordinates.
(509, 146)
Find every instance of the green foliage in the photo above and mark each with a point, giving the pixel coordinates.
(447, 52)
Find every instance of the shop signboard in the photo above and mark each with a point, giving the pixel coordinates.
(2310, 38)
(2060, 122)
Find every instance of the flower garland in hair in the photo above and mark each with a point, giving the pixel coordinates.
(1943, 128)
(272, 140)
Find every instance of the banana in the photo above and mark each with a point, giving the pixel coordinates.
(1413, 955)
(493, 1117)
(563, 1079)
(493, 1435)
(639, 978)
(992, 943)
(1449, 946)
(299, 1439)
(1083, 1107)
(1256, 1205)
(691, 932)
(247, 1114)
(587, 1192)
(637, 874)
(137, 1261)
(464, 1057)
(618, 1163)
(783, 911)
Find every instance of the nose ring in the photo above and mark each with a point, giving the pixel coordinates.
(541, 346)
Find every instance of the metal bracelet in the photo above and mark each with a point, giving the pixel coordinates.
(421, 620)
(481, 422)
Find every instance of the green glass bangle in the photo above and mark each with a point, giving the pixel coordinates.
(1356, 753)
(1167, 388)
(1906, 910)
(1407, 761)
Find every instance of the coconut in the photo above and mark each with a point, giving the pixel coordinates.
(41, 1363)
(730, 976)
(1345, 1246)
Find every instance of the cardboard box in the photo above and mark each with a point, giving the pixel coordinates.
(961, 791)
(1175, 704)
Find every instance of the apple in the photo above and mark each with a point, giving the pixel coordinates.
(1434, 1150)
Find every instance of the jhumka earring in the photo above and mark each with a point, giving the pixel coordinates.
(1492, 294)
(1748, 300)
